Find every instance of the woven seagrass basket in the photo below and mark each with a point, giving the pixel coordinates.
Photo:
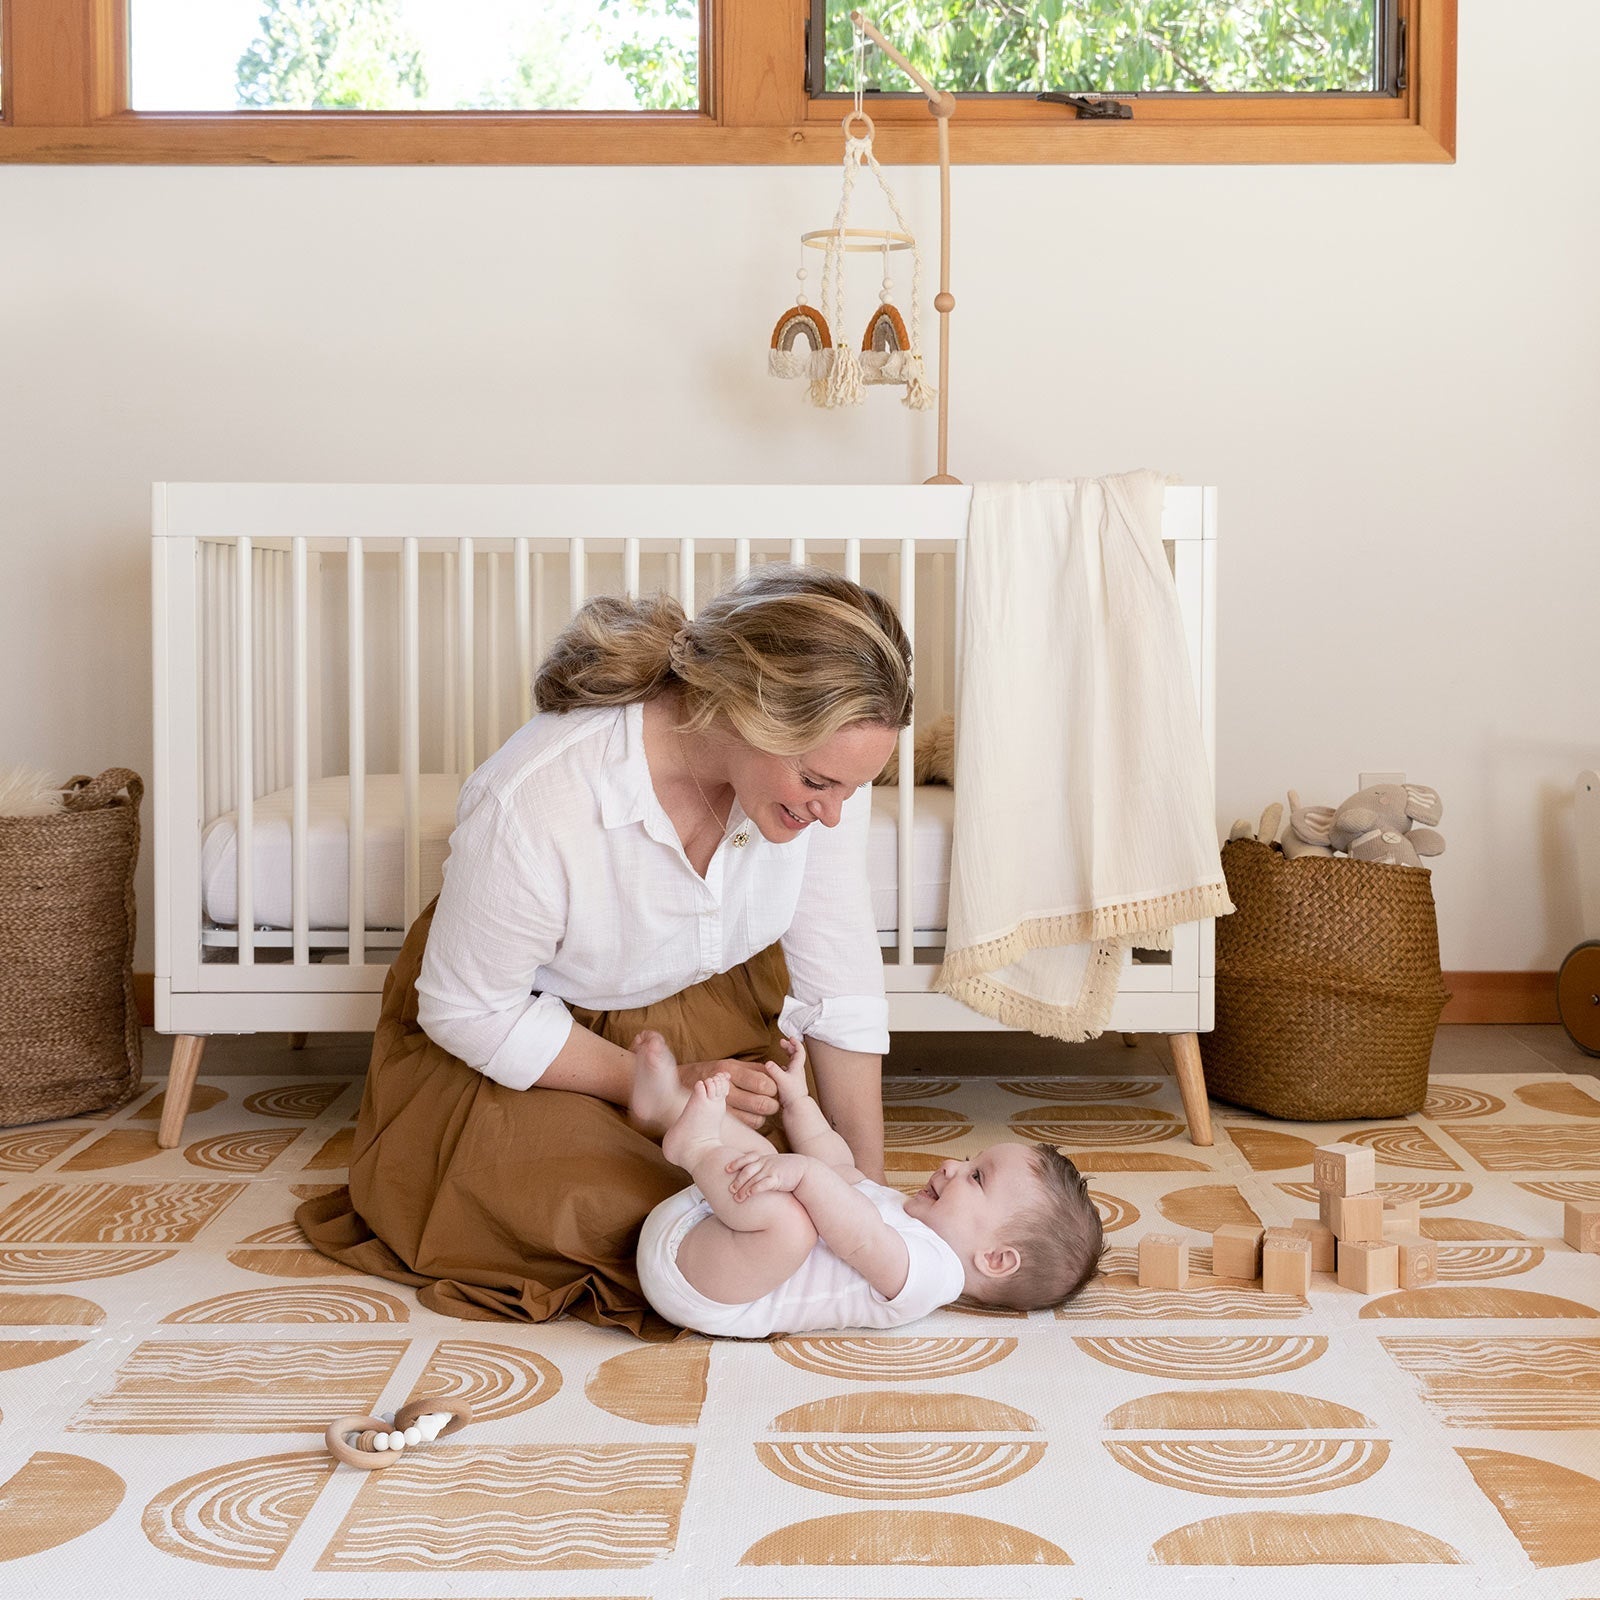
(69, 1024)
(1328, 986)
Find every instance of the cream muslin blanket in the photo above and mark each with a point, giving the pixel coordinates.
(1084, 811)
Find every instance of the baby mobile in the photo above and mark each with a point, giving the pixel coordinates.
(811, 342)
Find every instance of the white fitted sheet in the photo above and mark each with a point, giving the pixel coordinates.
(327, 837)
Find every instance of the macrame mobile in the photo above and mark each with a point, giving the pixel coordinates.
(809, 341)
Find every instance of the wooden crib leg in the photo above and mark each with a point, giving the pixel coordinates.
(187, 1049)
(1131, 1040)
(1192, 1086)
(297, 1041)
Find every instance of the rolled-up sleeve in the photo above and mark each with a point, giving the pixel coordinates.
(836, 991)
(499, 919)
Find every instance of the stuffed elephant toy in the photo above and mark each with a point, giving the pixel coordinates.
(1375, 824)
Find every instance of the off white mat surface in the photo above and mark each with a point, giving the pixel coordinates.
(170, 1351)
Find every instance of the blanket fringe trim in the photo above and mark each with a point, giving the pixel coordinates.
(1013, 1009)
(1144, 923)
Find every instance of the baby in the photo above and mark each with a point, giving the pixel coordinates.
(770, 1243)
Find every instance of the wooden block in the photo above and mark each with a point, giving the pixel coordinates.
(1419, 1259)
(1163, 1261)
(1286, 1262)
(1401, 1216)
(1344, 1168)
(1369, 1266)
(1582, 1230)
(1236, 1251)
(1358, 1217)
(1322, 1242)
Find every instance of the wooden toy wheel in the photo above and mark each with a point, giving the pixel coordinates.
(1578, 996)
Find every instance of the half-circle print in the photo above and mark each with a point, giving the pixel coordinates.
(910, 1126)
(1405, 1146)
(873, 1358)
(1299, 1539)
(121, 1147)
(289, 1262)
(1469, 1263)
(335, 1151)
(28, 1150)
(893, 1470)
(1430, 1196)
(242, 1514)
(49, 1310)
(298, 1102)
(1118, 1295)
(1247, 1469)
(903, 1539)
(53, 1498)
(907, 1091)
(1098, 1161)
(1084, 1089)
(1205, 1207)
(663, 1385)
(902, 1411)
(1267, 1150)
(1530, 1146)
(289, 1232)
(1232, 1409)
(1574, 1189)
(1514, 1382)
(73, 1266)
(496, 1380)
(1452, 1100)
(1451, 1229)
(16, 1353)
(1549, 1508)
(1095, 1124)
(1564, 1098)
(201, 1098)
(1115, 1212)
(1207, 1357)
(240, 1152)
(1448, 1300)
(295, 1304)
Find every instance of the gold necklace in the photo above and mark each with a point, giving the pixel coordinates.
(740, 838)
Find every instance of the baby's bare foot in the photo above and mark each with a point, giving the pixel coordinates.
(700, 1121)
(657, 1096)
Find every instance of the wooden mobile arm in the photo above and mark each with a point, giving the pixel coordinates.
(943, 106)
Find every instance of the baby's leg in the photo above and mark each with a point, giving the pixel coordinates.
(746, 1248)
(809, 1132)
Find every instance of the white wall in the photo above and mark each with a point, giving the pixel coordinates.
(1393, 374)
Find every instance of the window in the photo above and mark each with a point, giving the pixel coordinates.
(716, 81)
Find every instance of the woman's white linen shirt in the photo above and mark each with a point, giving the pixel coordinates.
(566, 883)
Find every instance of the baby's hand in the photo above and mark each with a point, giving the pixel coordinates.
(765, 1172)
(791, 1078)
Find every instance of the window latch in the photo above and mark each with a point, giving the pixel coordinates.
(1093, 107)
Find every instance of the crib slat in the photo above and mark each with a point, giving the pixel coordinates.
(464, 595)
(356, 830)
(741, 558)
(797, 552)
(245, 777)
(410, 724)
(299, 826)
(448, 610)
(211, 746)
(491, 649)
(852, 560)
(537, 619)
(520, 603)
(686, 576)
(630, 568)
(906, 948)
(577, 575)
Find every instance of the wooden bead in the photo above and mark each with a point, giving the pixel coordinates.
(944, 301)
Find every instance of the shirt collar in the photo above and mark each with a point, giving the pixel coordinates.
(626, 795)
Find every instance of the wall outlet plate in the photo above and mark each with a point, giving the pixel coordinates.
(1369, 779)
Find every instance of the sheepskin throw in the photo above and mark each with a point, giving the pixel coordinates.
(1084, 817)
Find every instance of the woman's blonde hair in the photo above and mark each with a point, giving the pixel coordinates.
(787, 655)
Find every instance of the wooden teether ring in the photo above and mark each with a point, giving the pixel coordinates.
(858, 116)
(460, 1414)
(352, 1455)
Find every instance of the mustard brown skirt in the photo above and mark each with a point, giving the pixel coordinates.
(520, 1203)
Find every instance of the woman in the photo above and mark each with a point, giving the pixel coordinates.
(677, 841)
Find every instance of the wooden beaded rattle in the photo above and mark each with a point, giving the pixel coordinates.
(369, 1442)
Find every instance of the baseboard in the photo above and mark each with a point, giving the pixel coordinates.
(1474, 997)
(1501, 997)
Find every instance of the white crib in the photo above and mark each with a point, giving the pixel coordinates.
(331, 658)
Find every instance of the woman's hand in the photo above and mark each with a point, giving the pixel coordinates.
(766, 1172)
(752, 1095)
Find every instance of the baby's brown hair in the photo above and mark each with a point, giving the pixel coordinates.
(1059, 1239)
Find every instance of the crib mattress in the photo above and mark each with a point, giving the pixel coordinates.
(327, 838)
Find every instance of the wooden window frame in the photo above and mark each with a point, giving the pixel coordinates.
(66, 101)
